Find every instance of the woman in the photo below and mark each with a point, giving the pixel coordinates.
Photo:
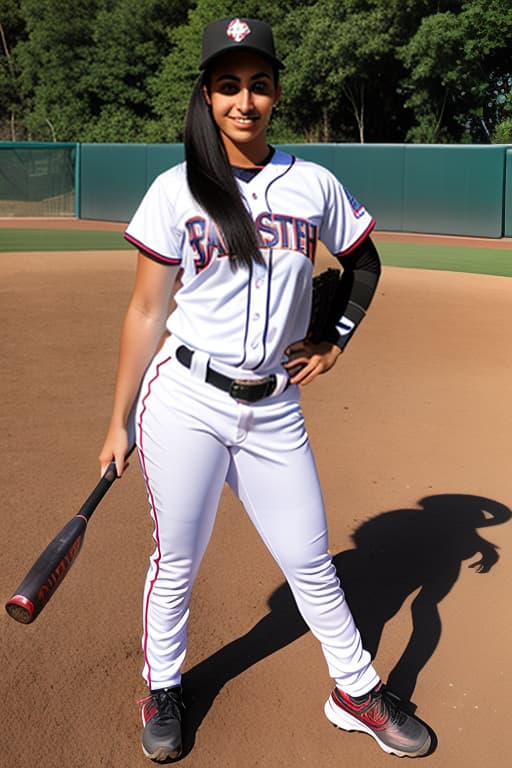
(232, 232)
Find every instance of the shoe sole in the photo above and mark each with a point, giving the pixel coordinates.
(162, 753)
(347, 722)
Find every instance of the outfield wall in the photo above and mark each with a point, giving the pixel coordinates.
(439, 189)
(114, 177)
(434, 189)
(507, 196)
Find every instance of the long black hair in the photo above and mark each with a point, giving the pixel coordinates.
(212, 183)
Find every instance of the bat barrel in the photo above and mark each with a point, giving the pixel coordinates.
(48, 572)
(53, 564)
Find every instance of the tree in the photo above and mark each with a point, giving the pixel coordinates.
(458, 64)
(53, 60)
(343, 70)
(129, 39)
(356, 70)
(12, 29)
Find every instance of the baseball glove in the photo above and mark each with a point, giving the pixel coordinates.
(326, 306)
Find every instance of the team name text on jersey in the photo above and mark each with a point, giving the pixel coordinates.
(276, 231)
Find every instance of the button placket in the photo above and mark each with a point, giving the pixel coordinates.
(257, 313)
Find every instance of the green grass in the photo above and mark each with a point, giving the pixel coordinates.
(455, 258)
(60, 240)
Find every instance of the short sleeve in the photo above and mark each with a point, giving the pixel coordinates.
(152, 227)
(346, 222)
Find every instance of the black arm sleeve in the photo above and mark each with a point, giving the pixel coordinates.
(361, 273)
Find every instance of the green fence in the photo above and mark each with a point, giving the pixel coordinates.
(438, 189)
(114, 177)
(38, 179)
(507, 206)
(441, 189)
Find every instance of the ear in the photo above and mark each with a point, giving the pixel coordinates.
(207, 96)
(278, 94)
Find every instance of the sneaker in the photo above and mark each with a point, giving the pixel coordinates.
(161, 718)
(378, 713)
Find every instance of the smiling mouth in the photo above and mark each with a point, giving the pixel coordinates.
(243, 120)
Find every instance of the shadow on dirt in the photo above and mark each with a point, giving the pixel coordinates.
(395, 554)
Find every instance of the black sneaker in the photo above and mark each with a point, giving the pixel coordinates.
(378, 713)
(161, 718)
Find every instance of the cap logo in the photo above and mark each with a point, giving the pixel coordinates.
(238, 30)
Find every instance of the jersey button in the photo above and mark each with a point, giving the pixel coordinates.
(256, 316)
(259, 282)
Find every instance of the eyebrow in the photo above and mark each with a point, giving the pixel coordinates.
(257, 76)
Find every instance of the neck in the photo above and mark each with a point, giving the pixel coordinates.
(246, 155)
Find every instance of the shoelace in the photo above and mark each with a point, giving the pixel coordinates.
(388, 705)
(169, 705)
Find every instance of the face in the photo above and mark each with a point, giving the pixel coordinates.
(241, 96)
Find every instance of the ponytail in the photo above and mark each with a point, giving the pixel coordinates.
(213, 185)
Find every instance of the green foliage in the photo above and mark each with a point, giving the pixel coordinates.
(356, 70)
(129, 38)
(12, 31)
(503, 132)
(53, 61)
(327, 87)
(458, 64)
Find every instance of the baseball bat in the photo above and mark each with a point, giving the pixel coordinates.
(53, 564)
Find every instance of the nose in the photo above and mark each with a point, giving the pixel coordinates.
(245, 102)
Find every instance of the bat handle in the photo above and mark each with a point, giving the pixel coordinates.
(108, 477)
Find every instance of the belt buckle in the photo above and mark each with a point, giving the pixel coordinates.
(250, 391)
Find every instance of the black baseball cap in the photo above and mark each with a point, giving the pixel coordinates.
(236, 34)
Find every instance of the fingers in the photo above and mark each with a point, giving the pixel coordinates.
(105, 463)
(309, 371)
(114, 450)
(306, 361)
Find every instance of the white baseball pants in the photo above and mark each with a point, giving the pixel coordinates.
(192, 437)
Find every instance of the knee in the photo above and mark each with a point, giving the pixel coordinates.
(316, 577)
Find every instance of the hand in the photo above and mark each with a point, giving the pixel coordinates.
(489, 558)
(307, 360)
(114, 448)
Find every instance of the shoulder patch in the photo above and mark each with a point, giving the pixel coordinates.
(356, 206)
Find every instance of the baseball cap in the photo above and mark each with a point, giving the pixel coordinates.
(238, 34)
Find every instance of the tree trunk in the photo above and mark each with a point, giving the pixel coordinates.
(357, 105)
(325, 129)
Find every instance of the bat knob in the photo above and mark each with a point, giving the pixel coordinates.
(20, 609)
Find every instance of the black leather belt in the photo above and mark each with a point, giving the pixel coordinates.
(246, 390)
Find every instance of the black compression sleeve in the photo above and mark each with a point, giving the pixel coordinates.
(361, 273)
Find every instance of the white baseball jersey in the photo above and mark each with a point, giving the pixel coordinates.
(246, 318)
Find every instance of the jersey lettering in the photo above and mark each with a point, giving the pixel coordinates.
(204, 241)
(276, 231)
(287, 233)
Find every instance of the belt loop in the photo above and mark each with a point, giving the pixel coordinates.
(199, 364)
(282, 382)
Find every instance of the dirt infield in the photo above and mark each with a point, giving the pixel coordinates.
(411, 432)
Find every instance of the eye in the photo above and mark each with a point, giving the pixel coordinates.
(228, 89)
(261, 87)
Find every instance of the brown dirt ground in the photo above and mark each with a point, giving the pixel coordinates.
(411, 431)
